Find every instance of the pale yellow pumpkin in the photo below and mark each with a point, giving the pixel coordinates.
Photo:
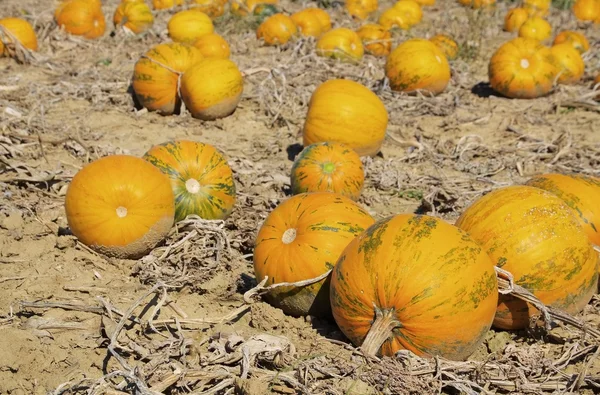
(568, 62)
(361, 9)
(189, 25)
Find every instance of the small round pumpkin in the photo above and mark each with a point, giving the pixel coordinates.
(568, 62)
(535, 236)
(536, 28)
(328, 167)
(416, 283)
(425, 3)
(537, 7)
(301, 239)
(165, 4)
(246, 7)
(157, 74)
(189, 25)
(447, 44)
(581, 193)
(477, 4)
(264, 11)
(376, 39)
(418, 64)
(340, 43)
(212, 88)
(133, 16)
(309, 22)
(200, 176)
(81, 18)
(120, 206)
(212, 8)
(404, 15)
(576, 39)
(323, 17)
(514, 19)
(586, 10)
(346, 112)
(277, 30)
(522, 68)
(213, 46)
(21, 30)
(361, 9)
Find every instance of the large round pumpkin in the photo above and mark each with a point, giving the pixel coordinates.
(340, 43)
(277, 30)
(535, 236)
(376, 39)
(120, 205)
(81, 18)
(328, 166)
(581, 193)
(156, 76)
(189, 25)
(133, 16)
(361, 9)
(21, 30)
(302, 238)
(346, 112)
(418, 64)
(522, 68)
(568, 62)
(576, 39)
(416, 283)
(213, 46)
(514, 19)
(201, 179)
(212, 88)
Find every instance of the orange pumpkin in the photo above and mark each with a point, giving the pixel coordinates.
(340, 43)
(569, 63)
(120, 205)
(301, 239)
(200, 176)
(535, 236)
(586, 10)
(18, 29)
(323, 18)
(522, 68)
(376, 39)
(576, 39)
(514, 19)
(156, 76)
(189, 25)
(245, 7)
(165, 4)
(425, 3)
(581, 193)
(133, 16)
(213, 46)
(277, 30)
(81, 18)
(329, 167)
(346, 112)
(212, 8)
(476, 4)
(416, 283)
(361, 9)
(310, 23)
(404, 15)
(536, 7)
(536, 28)
(212, 88)
(448, 46)
(418, 64)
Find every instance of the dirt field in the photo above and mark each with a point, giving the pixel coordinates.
(177, 319)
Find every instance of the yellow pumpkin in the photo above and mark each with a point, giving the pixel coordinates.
(165, 4)
(536, 28)
(586, 10)
(522, 68)
(340, 43)
(278, 29)
(212, 8)
(189, 25)
(476, 4)
(576, 39)
(309, 23)
(133, 16)
(323, 18)
(21, 30)
(448, 46)
(404, 15)
(213, 46)
(425, 2)
(346, 112)
(536, 7)
(361, 9)
(418, 64)
(514, 19)
(376, 39)
(120, 206)
(245, 7)
(81, 18)
(569, 63)
(212, 88)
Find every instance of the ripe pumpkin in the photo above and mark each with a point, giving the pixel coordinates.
(277, 30)
(418, 64)
(81, 18)
(201, 179)
(212, 88)
(323, 18)
(514, 19)
(576, 39)
(212, 8)
(340, 43)
(376, 39)
(310, 23)
(425, 2)
(476, 4)
(21, 30)
(246, 7)
(536, 7)
(156, 76)
(120, 206)
(522, 68)
(535, 236)
(448, 46)
(264, 11)
(346, 112)
(361, 9)
(330, 167)
(134, 16)
(586, 10)
(404, 15)
(301, 239)
(417, 283)
(213, 46)
(536, 28)
(189, 25)
(581, 193)
(569, 63)
(165, 4)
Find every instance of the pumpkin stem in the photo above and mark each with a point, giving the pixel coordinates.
(328, 167)
(381, 330)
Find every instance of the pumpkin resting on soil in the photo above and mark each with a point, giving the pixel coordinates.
(189, 25)
(277, 30)
(535, 236)
(361, 9)
(340, 43)
(201, 179)
(301, 239)
(514, 19)
(310, 21)
(568, 62)
(81, 18)
(120, 205)
(416, 283)
(536, 28)
(213, 46)
(576, 39)
(586, 10)
(136, 17)
(404, 15)
(376, 39)
(21, 30)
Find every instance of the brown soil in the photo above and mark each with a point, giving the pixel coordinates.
(186, 327)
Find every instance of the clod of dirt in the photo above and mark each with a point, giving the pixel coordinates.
(497, 341)
(356, 387)
(251, 386)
